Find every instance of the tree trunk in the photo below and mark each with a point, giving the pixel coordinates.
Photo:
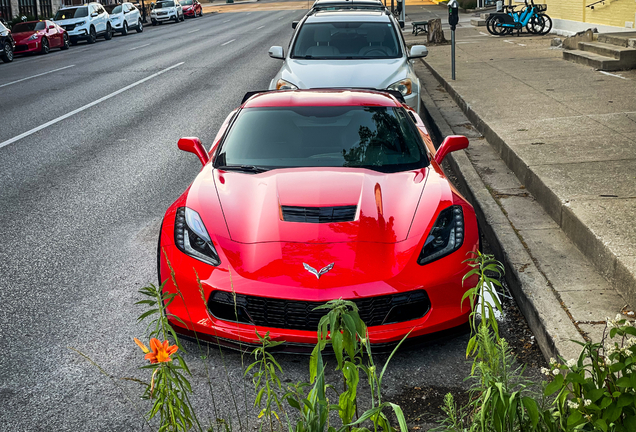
(435, 32)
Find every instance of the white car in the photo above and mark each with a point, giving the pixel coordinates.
(124, 17)
(166, 10)
(349, 49)
(86, 22)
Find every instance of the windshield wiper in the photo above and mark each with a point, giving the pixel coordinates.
(243, 168)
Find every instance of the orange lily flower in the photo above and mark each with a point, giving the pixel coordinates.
(160, 352)
(142, 346)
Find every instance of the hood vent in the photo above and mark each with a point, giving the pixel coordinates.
(319, 214)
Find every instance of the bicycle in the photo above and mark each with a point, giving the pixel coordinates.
(531, 17)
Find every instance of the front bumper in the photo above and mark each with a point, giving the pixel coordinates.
(189, 13)
(27, 47)
(162, 18)
(78, 34)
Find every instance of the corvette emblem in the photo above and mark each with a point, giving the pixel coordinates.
(317, 273)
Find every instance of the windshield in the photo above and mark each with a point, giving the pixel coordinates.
(378, 138)
(164, 4)
(186, 2)
(78, 12)
(346, 40)
(113, 9)
(28, 27)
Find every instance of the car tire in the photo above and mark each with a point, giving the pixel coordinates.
(65, 43)
(140, 27)
(182, 17)
(7, 53)
(92, 36)
(176, 18)
(109, 33)
(124, 30)
(46, 48)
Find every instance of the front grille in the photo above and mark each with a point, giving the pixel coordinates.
(69, 27)
(300, 315)
(19, 48)
(162, 13)
(319, 214)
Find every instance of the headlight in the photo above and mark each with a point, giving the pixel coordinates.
(446, 236)
(192, 238)
(33, 37)
(79, 24)
(403, 86)
(281, 84)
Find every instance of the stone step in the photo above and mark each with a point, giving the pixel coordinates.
(626, 55)
(484, 16)
(477, 22)
(623, 39)
(594, 60)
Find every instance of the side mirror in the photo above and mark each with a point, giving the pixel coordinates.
(451, 143)
(193, 145)
(94, 14)
(51, 27)
(277, 52)
(401, 24)
(418, 51)
(294, 24)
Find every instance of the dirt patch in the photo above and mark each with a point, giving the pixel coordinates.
(422, 406)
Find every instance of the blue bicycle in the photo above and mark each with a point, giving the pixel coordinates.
(531, 17)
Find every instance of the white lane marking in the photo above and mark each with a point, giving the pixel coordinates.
(137, 47)
(228, 42)
(281, 18)
(195, 30)
(258, 28)
(85, 107)
(507, 41)
(605, 73)
(485, 34)
(227, 21)
(35, 76)
(465, 42)
(522, 44)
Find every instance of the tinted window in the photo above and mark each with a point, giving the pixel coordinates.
(186, 2)
(113, 9)
(346, 40)
(78, 12)
(164, 4)
(29, 27)
(379, 138)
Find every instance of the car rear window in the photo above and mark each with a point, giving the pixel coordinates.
(346, 40)
(78, 12)
(378, 138)
(28, 27)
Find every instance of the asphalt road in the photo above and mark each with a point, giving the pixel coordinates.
(89, 163)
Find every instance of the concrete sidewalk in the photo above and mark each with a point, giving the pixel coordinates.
(568, 133)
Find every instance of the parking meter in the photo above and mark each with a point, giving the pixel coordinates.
(453, 19)
(453, 14)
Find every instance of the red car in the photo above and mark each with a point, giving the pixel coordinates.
(311, 195)
(191, 8)
(39, 36)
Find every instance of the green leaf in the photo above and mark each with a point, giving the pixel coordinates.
(625, 400)
(617, 367)
(293, 402)
(595, 394)
(554, 385)
(147, 314)
(400, 417)
(574, 418)
(532, 409)
(575, 378)
(612, 413)
(607, 401)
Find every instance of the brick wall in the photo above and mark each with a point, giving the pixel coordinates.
(612, 13)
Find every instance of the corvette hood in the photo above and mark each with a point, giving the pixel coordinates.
(377, 74)
(384, 204)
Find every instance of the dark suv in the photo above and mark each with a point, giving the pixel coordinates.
(7, 44)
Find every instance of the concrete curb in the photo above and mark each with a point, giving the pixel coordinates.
(593, 247)
(553, 328)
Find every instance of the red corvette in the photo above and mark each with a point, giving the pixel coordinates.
(191, 8)
(312, 195)
(39, 36)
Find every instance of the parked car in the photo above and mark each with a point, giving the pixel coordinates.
(312, 195)
(124, 17)
(166, 10)
(7, 44)
(87, 22)
(39, 37)
(352, 48)
(191, 8)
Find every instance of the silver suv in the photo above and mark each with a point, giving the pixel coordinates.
(87, 22)
(349, 49)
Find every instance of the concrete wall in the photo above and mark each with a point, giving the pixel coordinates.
(55, 5)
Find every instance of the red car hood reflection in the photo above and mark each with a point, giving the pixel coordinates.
(386, 204)
(19, 37)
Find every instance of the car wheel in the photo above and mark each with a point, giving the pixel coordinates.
(109, 33)
(65, 44)
(176, 18)
(140, 27)
(7, 53)
(182, 17)
(124, 30)
(45, 46)
(92, 36)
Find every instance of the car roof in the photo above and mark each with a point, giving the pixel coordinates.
(316, 97)
(349, 16)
